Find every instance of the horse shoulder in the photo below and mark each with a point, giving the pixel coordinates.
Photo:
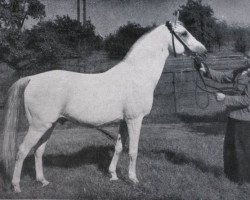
(139, 99)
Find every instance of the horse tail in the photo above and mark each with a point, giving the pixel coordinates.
(12, 111)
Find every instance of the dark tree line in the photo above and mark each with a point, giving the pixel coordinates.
(48, 42)
(119, 43)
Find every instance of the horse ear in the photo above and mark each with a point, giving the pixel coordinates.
(177, 17)
(169, 25)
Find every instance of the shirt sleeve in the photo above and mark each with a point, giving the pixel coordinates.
(221, 77)
(239, 101)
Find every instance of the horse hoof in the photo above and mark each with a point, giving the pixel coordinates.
(16, 188)
(45, 183)
(114, 178)
(134, 180)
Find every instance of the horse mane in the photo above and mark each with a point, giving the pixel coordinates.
(139, 46)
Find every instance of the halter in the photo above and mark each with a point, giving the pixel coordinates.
(198, 61)
(170, 28)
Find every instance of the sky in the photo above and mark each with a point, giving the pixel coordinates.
(108, 15)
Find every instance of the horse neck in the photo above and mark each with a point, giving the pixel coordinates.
(147, 57)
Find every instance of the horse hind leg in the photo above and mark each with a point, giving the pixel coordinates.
(39, 165)
(39, 151)
(121, 140)
(33, 136)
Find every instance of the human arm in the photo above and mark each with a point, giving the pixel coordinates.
(239, 101)
(218, 76)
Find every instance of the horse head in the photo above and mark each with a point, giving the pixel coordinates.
(183, 42)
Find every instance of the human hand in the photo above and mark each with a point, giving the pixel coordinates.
(203, 69)
(220, 96)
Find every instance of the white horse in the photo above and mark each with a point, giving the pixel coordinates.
(123, 93)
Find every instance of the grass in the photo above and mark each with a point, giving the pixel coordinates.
(176, 161)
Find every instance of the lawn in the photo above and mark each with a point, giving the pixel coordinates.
(176, 161)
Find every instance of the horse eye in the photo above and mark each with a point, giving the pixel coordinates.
(184, 34)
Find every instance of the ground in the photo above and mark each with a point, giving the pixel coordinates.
(176, 161)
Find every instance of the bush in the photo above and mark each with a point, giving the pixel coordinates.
(119, 43)
(221, 33)
(71, 32)
(241, 44)
(47, 43)
(240, 39)
(199, 20)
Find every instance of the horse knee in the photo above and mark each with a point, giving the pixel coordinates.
(22, 152)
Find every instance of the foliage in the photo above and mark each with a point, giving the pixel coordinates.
(46, 43)
(118, 44)
(240, 38)
(221, 33)
(200, 21)
(22, 50)
(13, 13)
(72, 33)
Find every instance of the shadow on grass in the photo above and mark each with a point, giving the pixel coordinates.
(100, 156)
(215, 117)
(182, 159)
(208, 129)
(169, 197)
(208, 123)
(4, 179)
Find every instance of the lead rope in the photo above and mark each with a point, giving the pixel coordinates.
(173, 44)
(205, 88)
(196, 93)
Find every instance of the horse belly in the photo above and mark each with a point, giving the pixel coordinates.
(94, 111)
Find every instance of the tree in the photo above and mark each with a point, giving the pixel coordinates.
(240, 36)
(199, 20)
(118, 44)
(72, 33)
(221, 33)
(13, 13)
(42, 47)
(30, 49)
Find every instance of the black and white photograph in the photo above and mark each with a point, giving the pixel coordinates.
(125, 99)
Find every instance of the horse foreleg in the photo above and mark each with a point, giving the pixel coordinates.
(38, 157)
(134, 129)
(121, 140)
(30, 140)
